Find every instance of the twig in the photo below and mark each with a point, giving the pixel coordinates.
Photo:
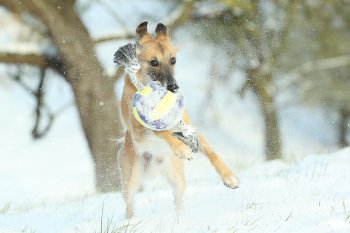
(40, 105)
(115, 16)
(323, 64)
(117, 36)
(312, 66)
(178, 17)
(40, 60)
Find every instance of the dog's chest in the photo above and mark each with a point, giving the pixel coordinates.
(152, 144)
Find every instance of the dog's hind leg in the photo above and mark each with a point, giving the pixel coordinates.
(176, 178)
(130, 174)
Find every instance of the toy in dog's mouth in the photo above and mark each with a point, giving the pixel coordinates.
(157, 108)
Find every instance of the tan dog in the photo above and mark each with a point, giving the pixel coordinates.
(146, 150)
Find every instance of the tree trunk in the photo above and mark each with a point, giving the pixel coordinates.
(272, 132)
(94, 93)
(260, 83)
(343, 128)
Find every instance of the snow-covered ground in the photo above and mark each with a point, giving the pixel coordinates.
(312, 195)
(48, 185)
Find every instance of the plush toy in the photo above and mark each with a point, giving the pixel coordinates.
(154, 106)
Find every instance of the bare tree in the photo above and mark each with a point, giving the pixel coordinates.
(94, 92)
(324, 80)
(77, 62)
(253, 36)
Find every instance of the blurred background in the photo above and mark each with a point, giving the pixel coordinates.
(263, 80)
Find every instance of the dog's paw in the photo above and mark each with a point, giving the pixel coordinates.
(189, 158)
(231, 180)
(182, 151)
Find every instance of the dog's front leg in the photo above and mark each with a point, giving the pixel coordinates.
(228, 177)
(178, 147)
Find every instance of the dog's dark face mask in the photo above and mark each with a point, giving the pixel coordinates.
(163, 73)
(157, 56)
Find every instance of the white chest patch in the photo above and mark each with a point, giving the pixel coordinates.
(155, 153)
(154, 145)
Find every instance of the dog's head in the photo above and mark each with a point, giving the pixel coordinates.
(157, 56)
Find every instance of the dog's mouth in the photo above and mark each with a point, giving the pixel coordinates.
(173, 87)
(166, 81)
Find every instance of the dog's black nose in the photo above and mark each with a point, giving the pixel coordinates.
(172, 87)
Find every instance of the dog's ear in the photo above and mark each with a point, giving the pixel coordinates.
(162, 30)
(142, 34)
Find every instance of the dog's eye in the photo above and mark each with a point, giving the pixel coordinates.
(154, 63)
(173, 60)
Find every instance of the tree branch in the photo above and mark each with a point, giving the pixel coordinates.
(117, 75)
(323, 64)
(34, 59)
(16, 58)
(10, 5)
(120, 36)
(112, 13)
(311, 66)
(176, 18)
(39, 95)
(244, 88)
(180, 15)
(41, 106)
(43, 62)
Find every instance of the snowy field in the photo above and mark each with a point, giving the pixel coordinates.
(48, 185)
(308, 196)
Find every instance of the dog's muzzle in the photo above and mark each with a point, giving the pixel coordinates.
(173, 87)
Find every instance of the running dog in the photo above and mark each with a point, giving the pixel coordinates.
(146, 150)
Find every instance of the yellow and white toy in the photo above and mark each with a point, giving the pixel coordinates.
(156, 108)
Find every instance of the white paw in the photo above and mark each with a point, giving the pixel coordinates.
(184, 153)
(231, 181)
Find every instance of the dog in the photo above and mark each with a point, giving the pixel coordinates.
(145, 150)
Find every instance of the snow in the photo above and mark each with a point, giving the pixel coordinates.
(35, 172)
(308, 196)
(47, 185)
